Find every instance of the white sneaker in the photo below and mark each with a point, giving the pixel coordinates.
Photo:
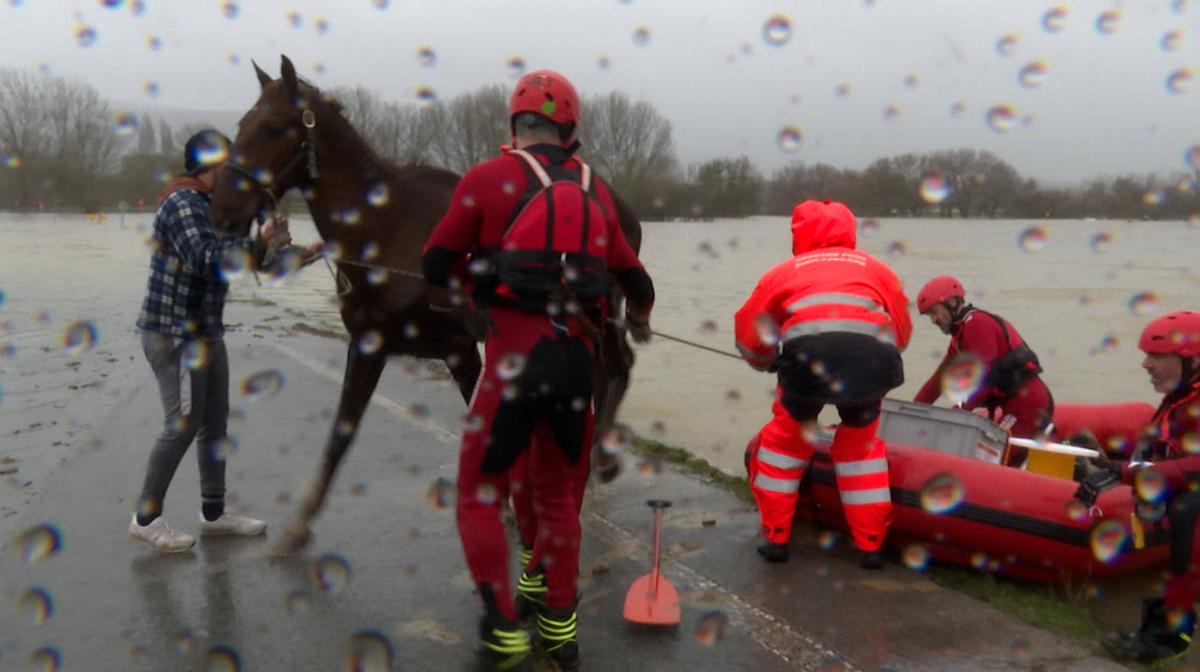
(161, 536)
(233, 523)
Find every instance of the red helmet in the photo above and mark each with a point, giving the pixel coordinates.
(547, 93)
(1176, 333)
(940, 289)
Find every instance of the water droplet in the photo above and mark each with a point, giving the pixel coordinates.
(262, 385)
(710, 627)
(1055, 19)
(1143, 303)
(708, 327)
(222, 658)
(294, 18)
(39, 603)
(1007, 45)
(957, 109)
(897, 248)
(789, 138)
(10, 160)
(841, 90)
(297, 602)
(514, 66)
(233, 263)
(1180, 80)
(380, 4)
(1001, 118)
(441, 493)
(603, 62)
(510, 365)
(641, 36)
(230, 9)
(935, 188)
(777, 30)
(150, 88)
(370, 651)
(47, 658)
(85, 36)
(1150, 485)
(321, 26)
(916, 557)
(425, 96)
(1077, 511)
(1171, 39)
(378, 196)
(1101, 241)
(767, 329)
(1032, 239)
(194, 355)
(1107, 22)
(1032, 75)
(891, 113)
(827, 540)
(124, 124)
(1107, 344)
(1108, 540)
(418, 411)
(153, 42)
(911, 82)
(224, 448)
(868, 228)
(426, 56)
(78, 337)
(961, 377)
(1191, 158)
(942, 493)
(370, 342)
(331, 573)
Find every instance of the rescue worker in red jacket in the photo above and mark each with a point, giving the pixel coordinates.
(1007, 369)
(1165, 473)
(544, 245)
(832, 321)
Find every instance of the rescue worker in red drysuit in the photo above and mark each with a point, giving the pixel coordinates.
(541, 260)
(832, 321)
(1010, 384)
(1165, 473)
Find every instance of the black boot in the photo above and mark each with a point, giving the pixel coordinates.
(870, 559)
(1159, 637)
(505, 645)
(531, 594)
(557, 631)
(773, 552)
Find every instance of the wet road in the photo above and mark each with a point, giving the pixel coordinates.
(386, 559)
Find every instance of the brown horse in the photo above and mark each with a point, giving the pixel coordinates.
(374, 218)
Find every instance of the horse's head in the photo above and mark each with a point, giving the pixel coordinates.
(273, 153)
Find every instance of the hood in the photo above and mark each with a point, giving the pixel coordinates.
(183, 182)
(818, 224)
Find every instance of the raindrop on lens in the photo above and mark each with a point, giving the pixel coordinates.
(897, 248)
(1143, 303)
(230, 9)
(777, 30)
(962, 377)
(1032, 239)
(1100, 242)
(298, 602)
(378, 195)
(47, 658)
(789, 139)
(1170, 40)
(710, 627)
(124, 124)
(1007, 45)
(233, 263)
(641, 37)
(1106, 22)
(78, 337)
(1108, 540)
(262, 385)
(708, 327)
(294, 18)
(942, 493)
(827, 539)
(331, 573)
(194, 355)
(510, 366)
(1077, 511)
(1191, 157)
(891, 113)
(916, 557)
(426, 57)
(222, 658)
(1055, 19)
(370, 651)
(39, 603)
(1149, 485)
(85, 36)
(868, 227)
(418, 411)
(514, 66)
(150, 87)
(425, 96)
(935, 188)
(1032, 75)
(441, 493)
(1180, 80)
(1001, 118)
(370, 342)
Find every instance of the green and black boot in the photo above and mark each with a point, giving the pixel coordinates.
(558, 636)
(506, 645)
(1161, 636)
(531, 594)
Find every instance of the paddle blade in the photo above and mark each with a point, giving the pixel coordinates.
(644, 605)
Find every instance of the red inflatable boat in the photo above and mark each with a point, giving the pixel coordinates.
(954, 505)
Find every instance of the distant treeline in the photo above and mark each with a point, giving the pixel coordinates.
(63, 147)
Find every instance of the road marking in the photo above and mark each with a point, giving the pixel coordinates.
(437, 430)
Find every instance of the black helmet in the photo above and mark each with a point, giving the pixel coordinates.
(204, 150)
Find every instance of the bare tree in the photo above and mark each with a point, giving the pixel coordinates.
(399, 133)
(630, 144)
(470, 128)
(146, 141)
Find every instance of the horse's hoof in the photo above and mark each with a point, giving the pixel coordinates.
(294, 540)
(607, 469)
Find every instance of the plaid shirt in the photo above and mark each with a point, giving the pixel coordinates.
(185, 295)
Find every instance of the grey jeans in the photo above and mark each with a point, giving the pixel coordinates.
(193, 382)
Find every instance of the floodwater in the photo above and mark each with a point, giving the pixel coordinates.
(1068, 286)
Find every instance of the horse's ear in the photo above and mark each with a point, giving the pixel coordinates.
(288, 74)
(263, 78)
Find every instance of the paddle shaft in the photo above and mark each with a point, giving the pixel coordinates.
(1061, 449)
(658, 514)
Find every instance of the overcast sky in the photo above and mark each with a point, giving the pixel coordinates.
(1103, 105)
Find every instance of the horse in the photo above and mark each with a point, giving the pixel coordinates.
(374, 218)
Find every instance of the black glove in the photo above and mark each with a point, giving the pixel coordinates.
(638, 329)
(1097, 482)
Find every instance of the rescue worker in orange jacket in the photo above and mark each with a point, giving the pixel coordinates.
(1004, 366)
(1165, 473)
(832, 321)
(545, 245)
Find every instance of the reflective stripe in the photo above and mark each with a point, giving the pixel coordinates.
(784, 485)
(861, 467)
(779, 460)
(835, 297)
(752, 356)
(873, 496)
(810, 327)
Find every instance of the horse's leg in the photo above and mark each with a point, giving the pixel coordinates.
(610, 391)
(465, 364)
(362, 375)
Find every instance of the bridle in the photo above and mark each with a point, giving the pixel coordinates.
(306, 152)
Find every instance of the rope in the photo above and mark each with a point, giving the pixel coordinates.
(694, 344)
